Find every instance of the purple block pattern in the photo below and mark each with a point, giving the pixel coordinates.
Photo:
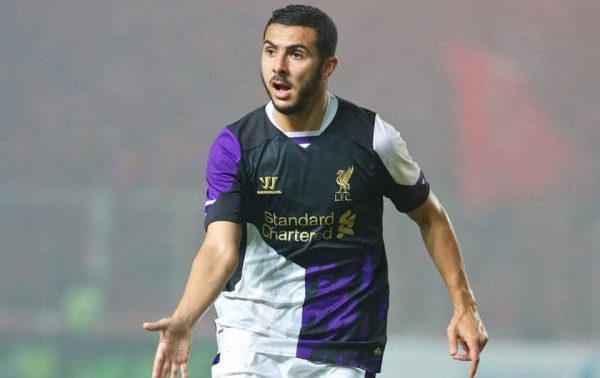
(225, 154)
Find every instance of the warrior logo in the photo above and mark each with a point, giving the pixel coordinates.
(343, 180)
(267, 184)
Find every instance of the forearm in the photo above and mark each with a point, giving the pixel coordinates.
(466, 327)
(213, 265)
(206, 280)
(442, 245)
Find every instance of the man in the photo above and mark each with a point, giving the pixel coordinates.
(293, 255)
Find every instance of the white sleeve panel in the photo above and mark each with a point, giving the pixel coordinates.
(392, 151)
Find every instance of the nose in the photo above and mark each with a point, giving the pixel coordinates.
(280, 63)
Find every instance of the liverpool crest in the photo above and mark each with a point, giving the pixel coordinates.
(343, 180)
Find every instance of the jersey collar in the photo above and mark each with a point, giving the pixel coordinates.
(332, 106)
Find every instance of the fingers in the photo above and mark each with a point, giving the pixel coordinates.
(157, 367)
(166, 371)
(173, 349)
(472, 351)
(462, 356)
(474, 357)
(474, 365)
(452, 343)
(174, 369)
(468, 333)
(484, 339)
(483, 345)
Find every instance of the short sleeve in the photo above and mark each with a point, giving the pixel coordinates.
(223, 186)
(405, 183)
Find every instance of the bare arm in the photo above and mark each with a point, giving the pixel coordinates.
(213, 265)
(440, 240)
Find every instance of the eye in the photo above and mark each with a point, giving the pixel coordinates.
(270, 51)
(297, 55)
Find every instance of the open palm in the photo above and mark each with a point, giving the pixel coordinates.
(173, 350)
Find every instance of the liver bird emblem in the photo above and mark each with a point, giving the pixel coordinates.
(343, 179)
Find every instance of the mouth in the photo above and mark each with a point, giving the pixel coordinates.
(282, 90)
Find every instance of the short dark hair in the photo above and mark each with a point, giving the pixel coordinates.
(305, 15)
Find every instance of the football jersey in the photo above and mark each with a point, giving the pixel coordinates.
(312, 278)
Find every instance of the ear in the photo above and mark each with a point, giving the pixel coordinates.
(329, 66)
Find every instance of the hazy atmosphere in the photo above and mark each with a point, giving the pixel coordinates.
(108, 108)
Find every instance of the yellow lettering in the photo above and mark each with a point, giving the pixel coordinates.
(295, 227)
(268, 217)
(305, 236)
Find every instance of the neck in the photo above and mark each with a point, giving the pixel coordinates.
(309, 119)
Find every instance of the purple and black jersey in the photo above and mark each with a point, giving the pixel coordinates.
(312, 279)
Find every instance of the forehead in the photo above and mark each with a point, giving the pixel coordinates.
(291, 35)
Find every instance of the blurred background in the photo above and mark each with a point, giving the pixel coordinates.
(108, 108)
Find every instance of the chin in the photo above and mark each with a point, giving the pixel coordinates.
(289, 109)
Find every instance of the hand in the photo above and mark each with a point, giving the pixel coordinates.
(467, 329)
(173, 348)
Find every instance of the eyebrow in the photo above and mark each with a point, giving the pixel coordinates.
(289, 47)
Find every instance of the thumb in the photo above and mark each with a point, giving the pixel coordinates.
(160, 325)
(452, 343)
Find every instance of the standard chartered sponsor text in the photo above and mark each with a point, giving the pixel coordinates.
(304, 228)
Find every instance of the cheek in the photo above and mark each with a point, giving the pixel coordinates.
(264, 65)
(306, 73)
(264, 73)
(311, 75)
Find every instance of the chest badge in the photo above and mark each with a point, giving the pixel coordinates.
(268, 185)
(343, 180)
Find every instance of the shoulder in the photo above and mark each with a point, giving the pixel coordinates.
(386, 138)
(255, 117)
(226, 148)
(355, 112)
(384, 135)
(379, 134)
(251, 130)
(393, 152)
(355, 122)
